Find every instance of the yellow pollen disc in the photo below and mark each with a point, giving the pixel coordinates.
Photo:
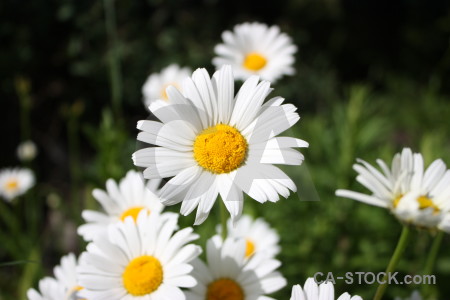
(163, 90)
(143, 275)
(224, 289)
(133, 212)
(397, 200)
(220, 149)
(12, 185)
(254, 61)
(250, 248)
(425, 202)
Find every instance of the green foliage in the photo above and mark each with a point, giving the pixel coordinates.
(113, 146)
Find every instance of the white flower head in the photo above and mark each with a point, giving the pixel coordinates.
(145, 259)
(63, 287)
(260, 238)
(27, 151)
(414, 195)
(212, 143)
(229, 275)
(155, 86)
(15, 182)
(119, 201)
(255, 48)
(312, 291)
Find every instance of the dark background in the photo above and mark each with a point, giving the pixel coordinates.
(372, 77)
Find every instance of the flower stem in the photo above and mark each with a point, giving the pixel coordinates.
(113, 56)
(431, 260)
(223, 219)
(30, 269)
(398, 252)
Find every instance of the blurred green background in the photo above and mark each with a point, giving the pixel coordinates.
(372, 77)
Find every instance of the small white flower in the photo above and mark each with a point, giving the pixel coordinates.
(15, 182)
(229, 275)
(139, 260)
(27, 151)
(259, 236)
(155, 86)
(414, 195)
(312, 291)
(128, 198)
(255, 48)
(64, 287)
(212, 143)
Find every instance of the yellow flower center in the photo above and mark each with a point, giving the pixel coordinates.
(254, 61)
(425, 202)
(12, 185)
(220, 149)
(250, 248)
(224, 289)
(133, 212)
(163, 90)
(397, 200)
(143, 275)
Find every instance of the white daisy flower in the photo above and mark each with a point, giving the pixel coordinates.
(386, 187)
(259, 236)
(15, 182)
(214, 143)
(312, 291)
(119, 201)
(255, 48)
(410, 193)
(65, 286)
(229, 275)
(49, 289)
(155, 86)
(139, 260)
(27, 151)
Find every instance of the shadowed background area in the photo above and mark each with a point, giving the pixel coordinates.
(372, 77)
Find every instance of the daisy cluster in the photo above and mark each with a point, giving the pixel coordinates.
(208, 141)
(137, 250)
